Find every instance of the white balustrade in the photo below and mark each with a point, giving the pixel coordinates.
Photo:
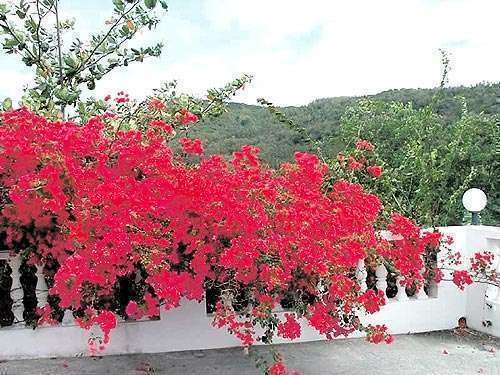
(381, 273)
(420, 293)
(68, 319)
(401, 296)
(41, 287)
(16, 290)
(428, 314)
(361, 274)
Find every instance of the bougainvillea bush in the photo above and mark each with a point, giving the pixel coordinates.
(107, 205)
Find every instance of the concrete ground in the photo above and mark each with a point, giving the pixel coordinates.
(439, 353)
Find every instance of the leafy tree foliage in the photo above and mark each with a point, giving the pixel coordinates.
(429, 162)
(34, 30)
(435, 143)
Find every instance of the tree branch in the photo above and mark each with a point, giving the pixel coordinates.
(94, 50)
(59, 46)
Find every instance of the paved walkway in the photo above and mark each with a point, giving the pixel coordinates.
(438, 353)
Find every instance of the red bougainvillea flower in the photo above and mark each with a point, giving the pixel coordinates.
(353, 164)
(372, 301)
(461, 278)
(45, 316)
(160, 124)
(290, 329)
(481, 261)
(122, 97)
(185, 117)
(375, 170)
(109, 115)
(364, 145)
(132, 310)
(192, 146)
(106, 320)
(377, 334)
(437, 275)
(156, 104)
(277, 369)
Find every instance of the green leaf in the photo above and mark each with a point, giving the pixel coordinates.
(61, 94)
(7, 104)
(21, 14)
(10, 43)
(119, 5)
(164, 4)
(150, 3)
(70, 61)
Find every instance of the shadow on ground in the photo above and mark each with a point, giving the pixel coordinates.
(439, 353)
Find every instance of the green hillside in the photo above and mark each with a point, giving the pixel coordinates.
(252, 124)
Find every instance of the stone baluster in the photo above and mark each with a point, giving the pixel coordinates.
(41, 287)
(361, 274)
(401, 296)
(16, 290)
(68, 318)
(420, 294)
(381, 273)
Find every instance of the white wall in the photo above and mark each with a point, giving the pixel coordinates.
(483, 301)
(189, 328)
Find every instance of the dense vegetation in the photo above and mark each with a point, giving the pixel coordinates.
(434, 143)
(252, 124)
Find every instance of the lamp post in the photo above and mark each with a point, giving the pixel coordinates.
(474, 201)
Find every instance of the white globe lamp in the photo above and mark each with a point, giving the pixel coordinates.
(474, 201)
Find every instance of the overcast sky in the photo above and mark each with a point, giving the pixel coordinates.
(302, 50)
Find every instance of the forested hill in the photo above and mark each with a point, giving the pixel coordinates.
(252, 124)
